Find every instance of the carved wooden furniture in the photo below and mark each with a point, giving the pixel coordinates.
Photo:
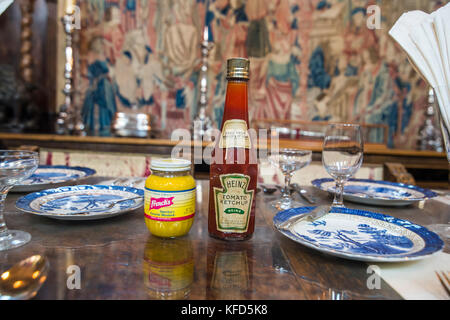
(429, 168)
(396, 172)
(26, 34)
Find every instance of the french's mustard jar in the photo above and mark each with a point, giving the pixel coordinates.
(170, 198)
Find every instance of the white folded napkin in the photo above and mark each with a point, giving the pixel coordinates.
(4, 4)
(426, 40)
(417, 280)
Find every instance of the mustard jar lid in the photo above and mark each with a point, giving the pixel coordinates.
(170, 164)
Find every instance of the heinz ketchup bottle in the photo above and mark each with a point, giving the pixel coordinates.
(234, 167)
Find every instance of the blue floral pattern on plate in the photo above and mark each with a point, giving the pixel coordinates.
(66, 202)
(377, 192)
(48, 176)
(362, 235)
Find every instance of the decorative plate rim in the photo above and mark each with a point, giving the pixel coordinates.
(23, 203)
(433, 243)
(428, 194)
(88, 172)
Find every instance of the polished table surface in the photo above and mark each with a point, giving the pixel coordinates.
(117, 258)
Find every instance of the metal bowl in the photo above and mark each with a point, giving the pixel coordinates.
(131, 125)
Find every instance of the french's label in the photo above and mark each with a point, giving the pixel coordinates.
(159, 203)
(233, 203)
(235, 135)
(169, 205)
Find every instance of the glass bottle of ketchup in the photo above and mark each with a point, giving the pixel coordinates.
(234, 166)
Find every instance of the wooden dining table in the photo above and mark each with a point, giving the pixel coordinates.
(117, 258)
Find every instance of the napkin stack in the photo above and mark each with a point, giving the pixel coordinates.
(417, 280)
(426, 40)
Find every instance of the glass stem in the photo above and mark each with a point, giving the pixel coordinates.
(3, 229)
(339, 194)
(287, 188)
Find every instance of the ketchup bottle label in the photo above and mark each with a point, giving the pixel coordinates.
(233, 203)
(235, 135)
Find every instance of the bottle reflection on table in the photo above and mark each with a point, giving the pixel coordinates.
(229, 271)
(168, 268)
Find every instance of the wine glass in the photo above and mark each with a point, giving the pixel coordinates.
(289, 161)
(15, 166)
(441, 91)
(342, 155)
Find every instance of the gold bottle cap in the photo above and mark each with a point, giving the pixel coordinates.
(238, 68)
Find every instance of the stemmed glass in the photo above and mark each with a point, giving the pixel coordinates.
(342, 155)
(15, 166)
(289, 161)
(442, 91)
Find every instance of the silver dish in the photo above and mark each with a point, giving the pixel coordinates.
(132, 125)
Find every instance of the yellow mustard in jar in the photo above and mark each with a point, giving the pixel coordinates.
(170, 198)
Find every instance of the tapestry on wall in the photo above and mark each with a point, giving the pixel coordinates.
(312, 60)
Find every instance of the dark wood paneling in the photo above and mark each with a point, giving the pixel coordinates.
(44, 52)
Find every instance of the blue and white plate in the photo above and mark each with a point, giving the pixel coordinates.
(64, 203)
(362, 235)
(379, 193)
(46, 177)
